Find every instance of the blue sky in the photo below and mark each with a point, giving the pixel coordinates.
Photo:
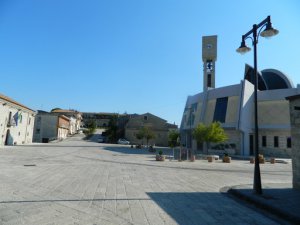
(133, 56)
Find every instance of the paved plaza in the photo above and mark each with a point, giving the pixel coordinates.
(88, 183)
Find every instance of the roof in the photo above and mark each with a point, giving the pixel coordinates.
(5, 98)
(64, 117)
(64, 111)
(268, 79)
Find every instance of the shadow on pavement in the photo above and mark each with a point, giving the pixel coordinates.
(279, 201)
(202, 208)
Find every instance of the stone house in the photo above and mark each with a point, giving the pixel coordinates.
(16, 122)
(159, 126)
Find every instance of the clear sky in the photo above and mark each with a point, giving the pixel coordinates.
(134, 56)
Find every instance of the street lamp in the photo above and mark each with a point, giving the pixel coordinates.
(190, 135)
(268, 32)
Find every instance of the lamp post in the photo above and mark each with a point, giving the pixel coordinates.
(255, 32)
(190, 133)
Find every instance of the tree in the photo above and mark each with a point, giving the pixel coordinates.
(140, 135)
(148, 134)
(173, 139)
(112, 129)
(213, 133)
(91, 128)
(216, 133)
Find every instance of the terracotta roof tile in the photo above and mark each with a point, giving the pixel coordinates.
(5, 98)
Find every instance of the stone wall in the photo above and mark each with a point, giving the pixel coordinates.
(295, 124)
(282, 151)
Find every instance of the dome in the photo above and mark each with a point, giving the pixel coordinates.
(268, 79)
(276, 79)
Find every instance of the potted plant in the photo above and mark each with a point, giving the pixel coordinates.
(210, 158)
(160, 156)
(261, 158)
(226, 158)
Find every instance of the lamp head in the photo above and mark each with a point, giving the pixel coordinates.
(243, 48)
(269, 31)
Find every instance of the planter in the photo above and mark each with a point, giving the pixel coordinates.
(210, 158)
(160, 158)
(226, 159)
(193, 158)
(272, 160)
(261, 159)
(252, 160)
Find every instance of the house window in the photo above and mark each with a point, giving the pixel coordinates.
(38, 131)
(191, 119)
(9, 119)
(220, 110)
(29, 121)
(288, 142)
(276, 142)
(145, 117)
(264, 141)
(20, 117)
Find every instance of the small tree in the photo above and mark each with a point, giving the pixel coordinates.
(91, 128)
(140, 135)
(173, 139)
(206, 134)
(216, 133)
(148, 134)
(112, 129)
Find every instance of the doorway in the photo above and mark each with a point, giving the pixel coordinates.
(251, 144)
(7, 137)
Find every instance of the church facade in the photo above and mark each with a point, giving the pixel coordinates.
(233, 107)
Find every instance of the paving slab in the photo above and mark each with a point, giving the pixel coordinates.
(279, 199)
(84, 182)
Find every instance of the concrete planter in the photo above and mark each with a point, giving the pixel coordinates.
(272, 160)
(261, 159)
(210, 158)
(193, 158)
(160, 158)
(226, 159)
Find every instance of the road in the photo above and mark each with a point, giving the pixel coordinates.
(88, 183)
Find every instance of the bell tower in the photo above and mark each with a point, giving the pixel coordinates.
(209, 58)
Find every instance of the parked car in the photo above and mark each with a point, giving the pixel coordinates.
(123, 141)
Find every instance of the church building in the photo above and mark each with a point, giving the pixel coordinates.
(233, 107)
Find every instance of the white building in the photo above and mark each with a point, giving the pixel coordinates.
(233, 107)
(50, 127)
(16, 122)
(74, 116)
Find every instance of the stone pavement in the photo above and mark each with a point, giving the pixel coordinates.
(279, 199)
(88, 183)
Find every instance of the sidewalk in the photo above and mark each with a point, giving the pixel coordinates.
(280, 200)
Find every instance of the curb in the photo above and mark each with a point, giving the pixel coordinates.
(259, 202)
